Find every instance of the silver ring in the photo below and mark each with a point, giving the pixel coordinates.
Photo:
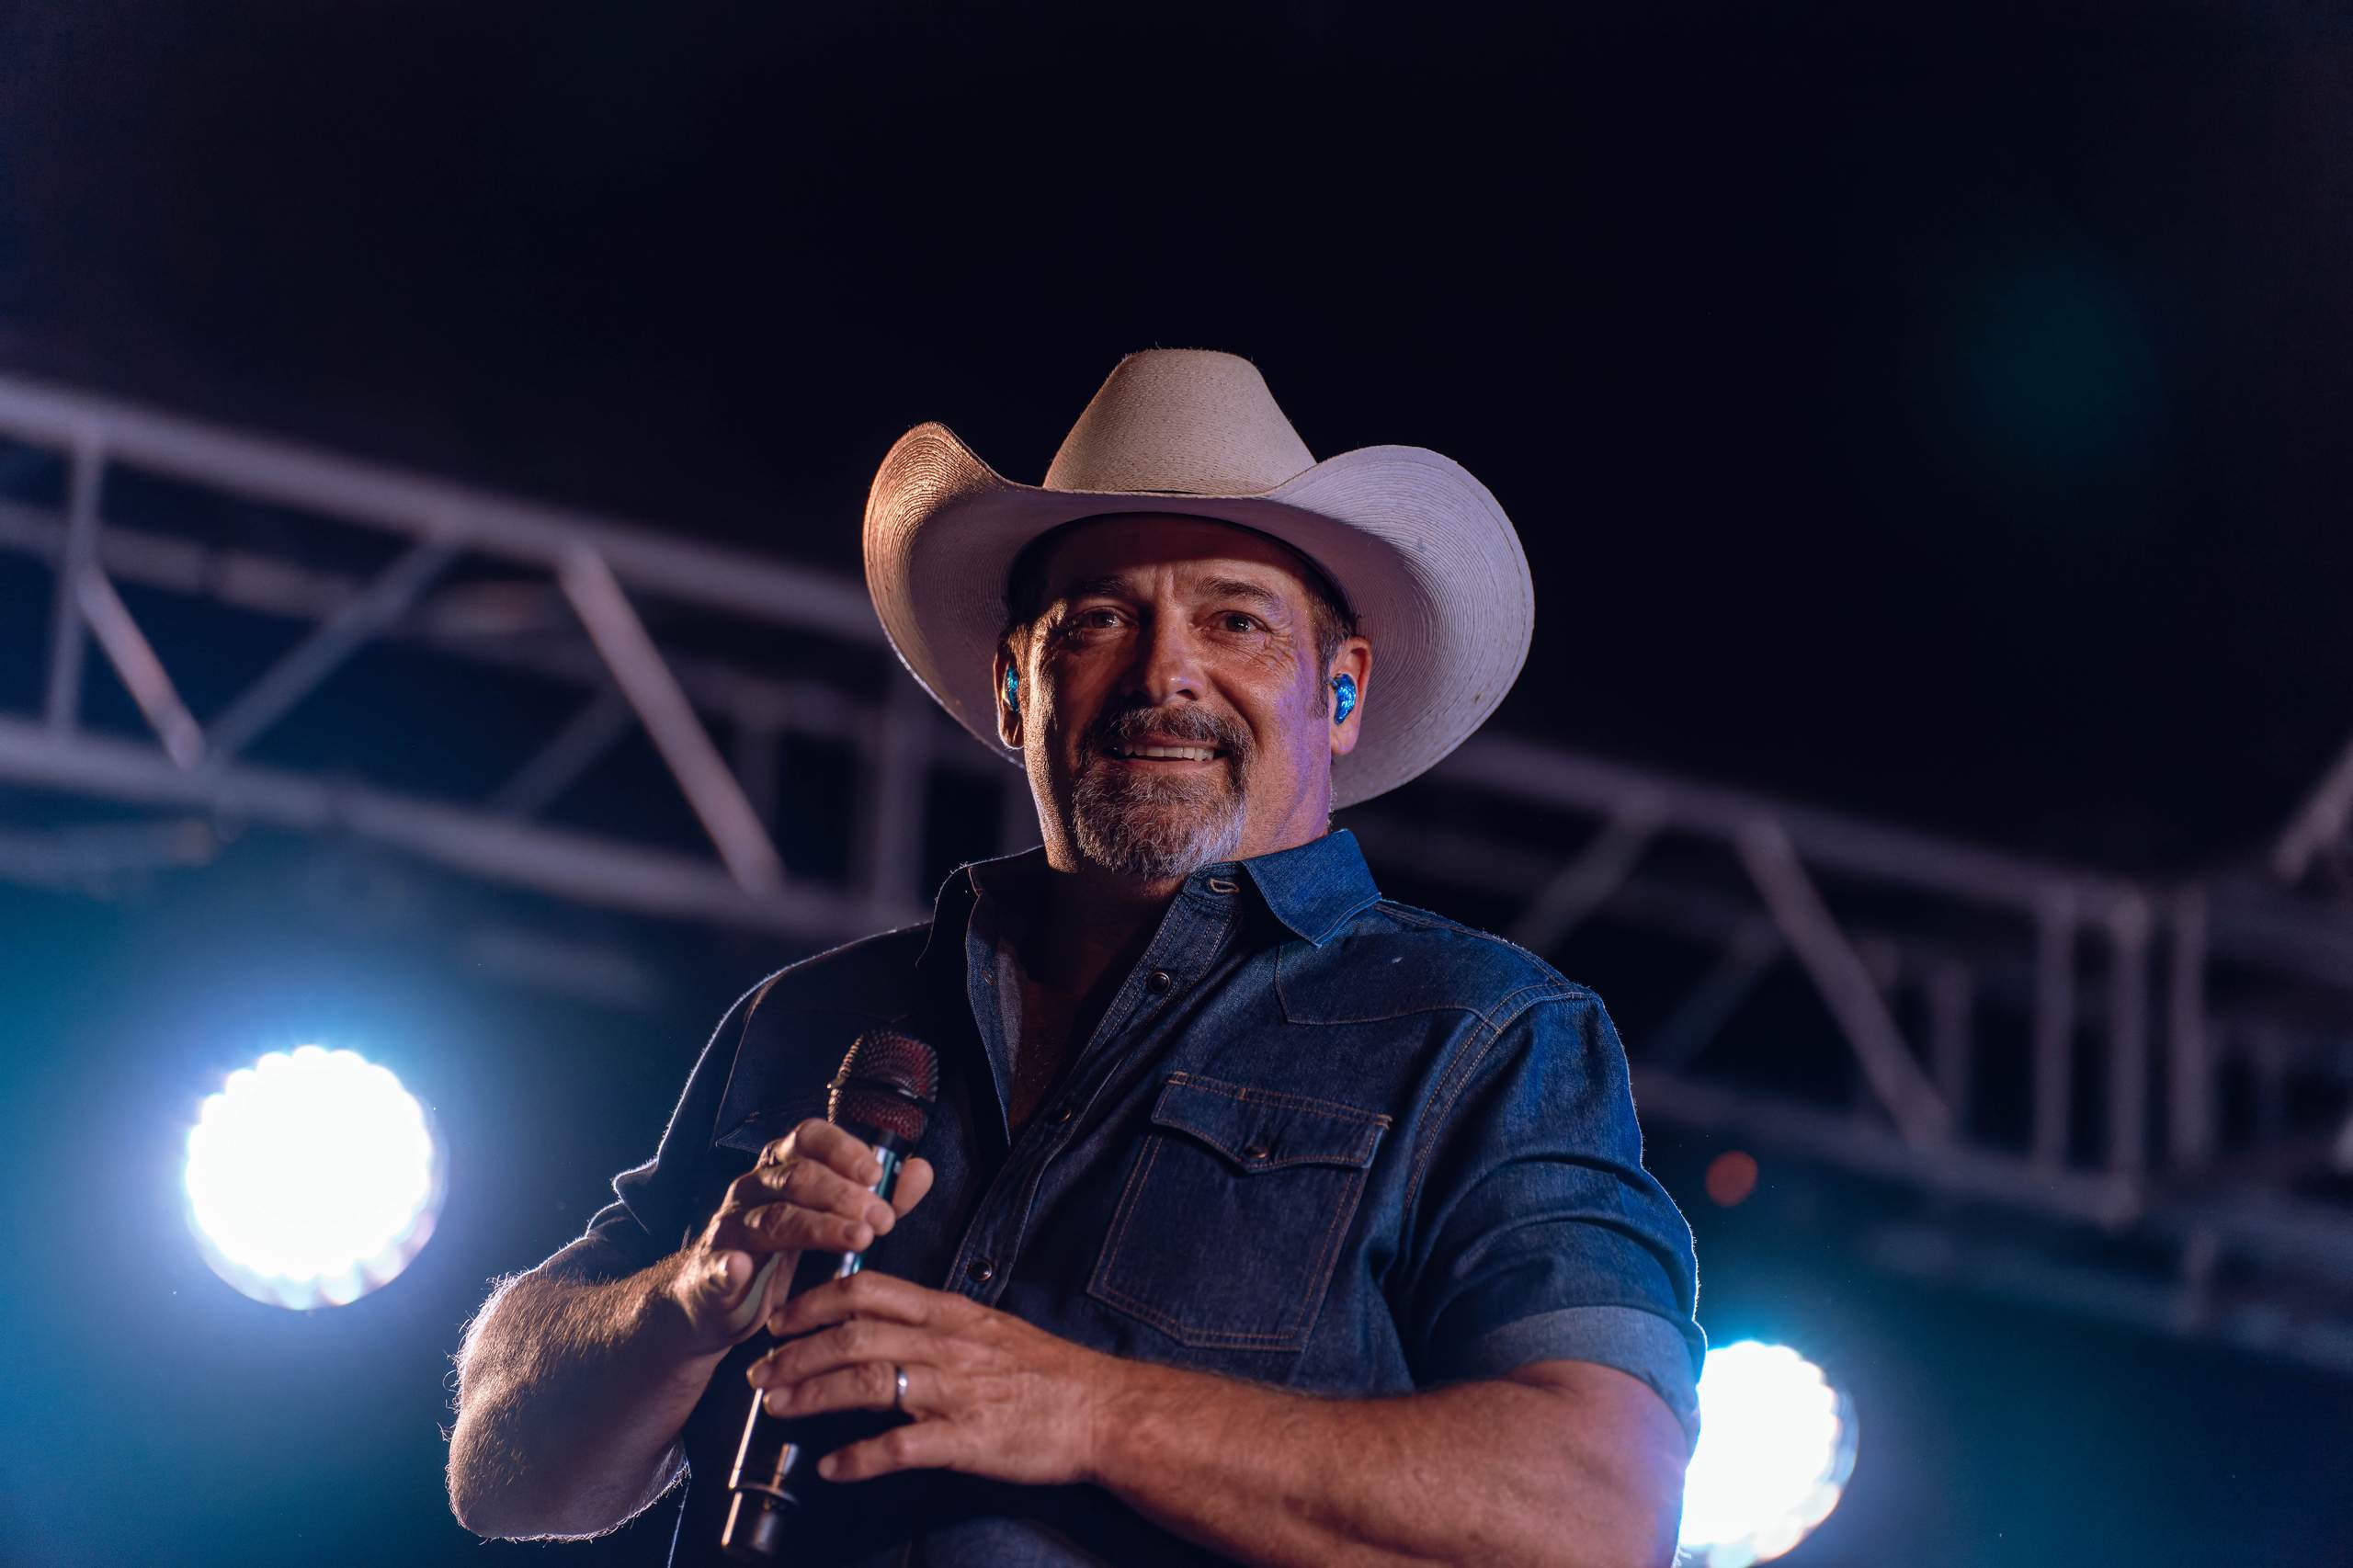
(899, 1400)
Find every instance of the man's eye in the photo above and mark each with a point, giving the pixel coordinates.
(1234, 620)
(1095, 619)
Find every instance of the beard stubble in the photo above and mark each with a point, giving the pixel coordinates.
(1159, 829)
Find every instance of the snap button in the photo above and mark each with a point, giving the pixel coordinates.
(1254, 1151)
(1158, 981)
(1219, 884)
(1067, 1111)
(981, 1270)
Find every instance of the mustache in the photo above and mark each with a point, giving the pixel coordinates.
(1195, 726)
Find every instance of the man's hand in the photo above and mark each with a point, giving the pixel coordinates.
(812, 1188)
(572, 1394)
(991, 1394)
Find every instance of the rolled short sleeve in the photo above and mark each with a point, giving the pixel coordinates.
(1536, 1233)
(649, 1218)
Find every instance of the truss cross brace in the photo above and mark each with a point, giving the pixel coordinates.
(621, 638)
(1845, 982)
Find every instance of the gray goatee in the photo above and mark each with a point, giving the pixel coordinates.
(1160, 829)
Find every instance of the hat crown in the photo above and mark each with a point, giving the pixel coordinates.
(1187, 421)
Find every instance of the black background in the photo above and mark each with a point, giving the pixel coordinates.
(1935, 411)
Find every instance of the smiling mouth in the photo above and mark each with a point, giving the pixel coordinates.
(1165, 754)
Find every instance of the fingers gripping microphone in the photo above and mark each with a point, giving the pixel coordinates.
(883, 1095)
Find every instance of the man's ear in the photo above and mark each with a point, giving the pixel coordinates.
(1008, 711)
(1355, 661)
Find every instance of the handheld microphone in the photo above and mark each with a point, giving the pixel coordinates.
(883, 1095)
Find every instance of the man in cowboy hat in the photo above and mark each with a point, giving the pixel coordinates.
(1261, 1217)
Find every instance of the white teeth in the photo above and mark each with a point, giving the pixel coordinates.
(1182, 753)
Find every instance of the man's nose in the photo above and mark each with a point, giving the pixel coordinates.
(1167, 666)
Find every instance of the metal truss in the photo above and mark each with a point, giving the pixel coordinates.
(2319, 838)
(2157, 1080)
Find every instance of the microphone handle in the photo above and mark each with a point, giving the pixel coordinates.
(763, 1503)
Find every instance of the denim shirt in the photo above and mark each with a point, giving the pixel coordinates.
(1318, 1140)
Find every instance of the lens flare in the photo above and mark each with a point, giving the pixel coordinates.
(1776, 1443)
(312, 1177)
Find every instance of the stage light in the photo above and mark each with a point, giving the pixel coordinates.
(1731, 1178)
(312, 1177)
(1776, 1443)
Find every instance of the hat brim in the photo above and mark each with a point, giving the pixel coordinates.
(1426, 556)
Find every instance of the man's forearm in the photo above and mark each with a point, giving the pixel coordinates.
(570, 1401)
(1488, 1472)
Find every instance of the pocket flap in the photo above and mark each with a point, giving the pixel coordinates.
(1262, 1130)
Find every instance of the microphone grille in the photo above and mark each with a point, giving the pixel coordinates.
(887, 1082)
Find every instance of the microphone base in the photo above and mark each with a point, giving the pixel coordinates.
(759, 1527)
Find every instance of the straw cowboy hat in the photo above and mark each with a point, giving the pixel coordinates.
(1423, 553)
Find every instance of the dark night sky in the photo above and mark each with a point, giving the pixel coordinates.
(1935, 410)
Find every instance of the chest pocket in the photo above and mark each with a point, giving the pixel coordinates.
(1234, 1214)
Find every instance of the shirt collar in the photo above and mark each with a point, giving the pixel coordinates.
(1313, 889)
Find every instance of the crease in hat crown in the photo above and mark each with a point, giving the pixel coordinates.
(1181, 422)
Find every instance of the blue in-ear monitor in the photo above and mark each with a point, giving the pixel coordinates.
(1013, 689)
(1344, 699)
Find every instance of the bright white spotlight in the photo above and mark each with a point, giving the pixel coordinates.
(312, 1177)
(1776, 1443)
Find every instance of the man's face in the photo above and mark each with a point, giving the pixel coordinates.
(1173, 712)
